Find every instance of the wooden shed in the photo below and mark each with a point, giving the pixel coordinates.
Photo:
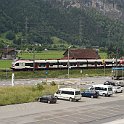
(81, 54)
(8, 53)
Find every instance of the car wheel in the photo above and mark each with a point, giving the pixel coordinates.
(70, 99)
(38, 99)
(56, 97)
(121, 91)
(49, 102)
(91, 96)
(104, 94)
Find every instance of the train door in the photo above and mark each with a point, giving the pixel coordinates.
(47, 65)
(36, 65)
(22, 65)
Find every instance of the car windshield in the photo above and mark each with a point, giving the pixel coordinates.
(101, 88)
(92, 91)
(77, 93)
(109, 89)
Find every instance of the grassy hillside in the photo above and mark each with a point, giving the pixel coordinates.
(50, 24)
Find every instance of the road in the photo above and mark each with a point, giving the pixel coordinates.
(87, 111)
(84, 80)
(104, 110)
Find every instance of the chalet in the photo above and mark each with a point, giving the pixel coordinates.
(8, 53)
(81, 54)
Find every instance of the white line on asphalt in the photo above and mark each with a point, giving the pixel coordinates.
(121, 121)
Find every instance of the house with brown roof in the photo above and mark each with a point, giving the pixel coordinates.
(8, 53)
(81, 54)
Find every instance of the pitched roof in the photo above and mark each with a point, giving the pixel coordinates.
(82, 54)
(8, 50)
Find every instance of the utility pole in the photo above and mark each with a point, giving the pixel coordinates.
(80, 22)
(104, 6)
(68, 59)
(80, 29)
(116, 57)
(7, 58)
(26, 27)
(33, 59)
(24, 38)
(82, 10)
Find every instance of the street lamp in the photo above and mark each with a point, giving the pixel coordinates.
(68, 60)
(6, 58)
(33, 59)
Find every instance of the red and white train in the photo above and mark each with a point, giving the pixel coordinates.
(63, 64)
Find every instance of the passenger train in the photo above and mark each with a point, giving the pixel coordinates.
(63, 64)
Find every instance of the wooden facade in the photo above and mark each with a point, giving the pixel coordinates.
(81, 54)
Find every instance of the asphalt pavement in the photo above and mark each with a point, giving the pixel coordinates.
(87, 111)
(76, 81)
(104, 110)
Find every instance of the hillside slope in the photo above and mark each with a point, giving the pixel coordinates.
(29, 22)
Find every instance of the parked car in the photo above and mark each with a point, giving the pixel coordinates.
(120, 83)
(47, 98)
(103, 90)
(110, 83)
(70, 94)
(117, 89)
(90, 93)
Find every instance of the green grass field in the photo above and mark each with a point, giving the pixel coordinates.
(42, 55)
(14, 95)
(74, 73)
(5, 64)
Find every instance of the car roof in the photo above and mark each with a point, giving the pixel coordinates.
(69, 89)
(101, 85)
(47, 95)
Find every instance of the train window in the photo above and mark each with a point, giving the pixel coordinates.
(51, 64)
(17, 64)
(73, 64)
(80, 63)
(42, 64)
(64, 64)
(21, 64)
(29, 64)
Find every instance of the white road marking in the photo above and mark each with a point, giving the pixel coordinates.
(121, 121)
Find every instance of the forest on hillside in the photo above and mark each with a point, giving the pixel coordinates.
(25, 23)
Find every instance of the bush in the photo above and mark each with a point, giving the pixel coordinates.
(53, 83)
(39, 86)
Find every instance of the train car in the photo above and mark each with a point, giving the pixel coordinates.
(62, 64)
(22, 65)
(29, 64)
(122, 61)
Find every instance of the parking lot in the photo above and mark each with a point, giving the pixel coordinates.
(87, 111)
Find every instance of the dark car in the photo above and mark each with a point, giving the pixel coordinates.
(90, 93)
(47, 98)
(110, 83)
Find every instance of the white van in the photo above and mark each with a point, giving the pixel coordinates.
(70, 94)
(104, 90)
